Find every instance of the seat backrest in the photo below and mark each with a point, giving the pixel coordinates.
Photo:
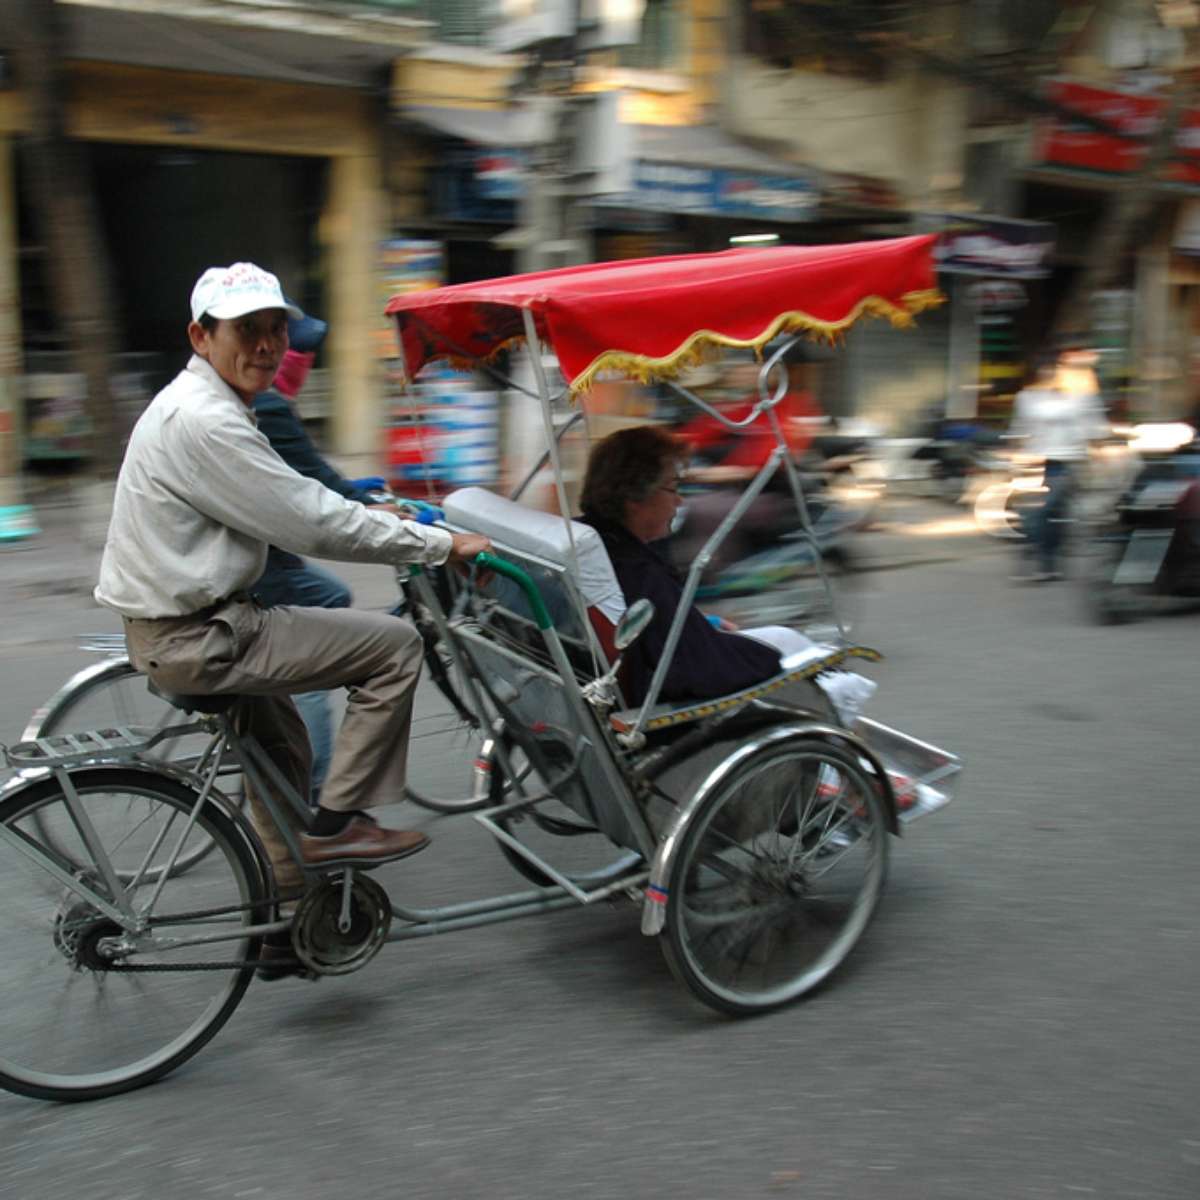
(543, 535)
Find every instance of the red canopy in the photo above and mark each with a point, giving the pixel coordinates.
(652, 317)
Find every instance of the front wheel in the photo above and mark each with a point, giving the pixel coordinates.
(446, 740)
(556, 833)
(89, 1011)
(776, 877)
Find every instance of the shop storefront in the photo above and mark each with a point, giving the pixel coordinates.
(991, 269)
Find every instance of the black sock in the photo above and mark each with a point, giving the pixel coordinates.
(326, 822)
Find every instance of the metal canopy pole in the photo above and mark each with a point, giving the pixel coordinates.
(533, 342)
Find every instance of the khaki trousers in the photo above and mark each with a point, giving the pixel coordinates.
(265, 655)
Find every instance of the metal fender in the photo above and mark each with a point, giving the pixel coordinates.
(107, 666)
(657, 895)
(158, 771)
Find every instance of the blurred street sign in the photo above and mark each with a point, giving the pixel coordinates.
(1064, 143)
(602, 24)
(603, 147)
(985, 245)
(523, 24)
(997, 295)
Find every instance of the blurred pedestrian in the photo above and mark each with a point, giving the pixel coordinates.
(1056, 426)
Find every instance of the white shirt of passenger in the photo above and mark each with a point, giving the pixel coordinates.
(1057, 425)
(201, 494)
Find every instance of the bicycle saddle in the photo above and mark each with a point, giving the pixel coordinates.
(191, 702)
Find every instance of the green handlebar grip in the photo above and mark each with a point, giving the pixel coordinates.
(490, 562)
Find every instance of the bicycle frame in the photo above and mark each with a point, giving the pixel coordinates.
(110, 747)
(124, 746)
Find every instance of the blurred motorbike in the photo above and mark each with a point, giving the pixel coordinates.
(939, 456)
(1003, 500)
(769, 572)
(1147, 557)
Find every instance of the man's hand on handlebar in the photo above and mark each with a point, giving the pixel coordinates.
(466, 546)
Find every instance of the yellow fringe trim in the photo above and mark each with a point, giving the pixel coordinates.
(705, 342)
(711, 707)
(463, 363)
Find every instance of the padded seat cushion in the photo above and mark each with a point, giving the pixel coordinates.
(544, 535)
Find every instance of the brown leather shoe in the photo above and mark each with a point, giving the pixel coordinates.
(362, 843)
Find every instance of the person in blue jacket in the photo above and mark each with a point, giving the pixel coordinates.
(288, 578)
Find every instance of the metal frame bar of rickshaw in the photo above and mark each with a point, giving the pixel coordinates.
(779, 456)
(615, 780)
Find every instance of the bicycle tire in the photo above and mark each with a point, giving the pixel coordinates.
(745, 877)
(115, 693)
(998, 508)
(543, 831)
(445, 743)
(76, 1026)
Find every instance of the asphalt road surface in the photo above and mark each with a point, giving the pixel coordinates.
(1019, 1021)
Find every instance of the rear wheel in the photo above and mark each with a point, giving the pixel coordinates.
(553, 831)
(1108, 602)
(117, 693)
(446, 741)
(776, 877)
(91, 1011)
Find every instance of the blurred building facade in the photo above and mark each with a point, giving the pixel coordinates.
(214, 131)
(361, 146)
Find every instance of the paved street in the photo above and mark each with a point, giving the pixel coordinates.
(1018, 1022)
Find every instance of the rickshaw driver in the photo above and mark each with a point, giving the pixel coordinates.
(199, 496)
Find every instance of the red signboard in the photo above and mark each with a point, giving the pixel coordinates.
(1067, 144)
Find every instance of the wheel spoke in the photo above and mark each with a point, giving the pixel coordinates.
(776, 877)
(75, 1026)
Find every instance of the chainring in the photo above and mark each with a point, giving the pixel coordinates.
(318, 941)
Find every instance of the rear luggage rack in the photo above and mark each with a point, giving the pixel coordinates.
(114, 742)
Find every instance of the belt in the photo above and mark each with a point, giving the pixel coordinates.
(202, 614)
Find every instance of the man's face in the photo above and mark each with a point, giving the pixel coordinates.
(245, 351)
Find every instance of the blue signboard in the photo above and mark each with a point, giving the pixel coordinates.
(473, 184)
(500, 174)
(712, 191)
(484, 184)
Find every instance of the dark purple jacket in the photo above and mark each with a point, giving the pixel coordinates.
(707, 662)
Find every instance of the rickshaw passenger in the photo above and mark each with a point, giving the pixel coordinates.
(630, 496)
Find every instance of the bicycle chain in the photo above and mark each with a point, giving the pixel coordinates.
(126, 968)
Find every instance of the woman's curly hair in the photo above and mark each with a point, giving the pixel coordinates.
(627, 465)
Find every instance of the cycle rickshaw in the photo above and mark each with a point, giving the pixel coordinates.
(751, 829)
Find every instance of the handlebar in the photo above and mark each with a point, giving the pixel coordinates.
(501, 566)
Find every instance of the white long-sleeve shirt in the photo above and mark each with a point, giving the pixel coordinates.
(201, 494)
(1057, 425)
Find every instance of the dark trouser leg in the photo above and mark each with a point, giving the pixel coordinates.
(275, 723)
(290, 580)
(1055, 512)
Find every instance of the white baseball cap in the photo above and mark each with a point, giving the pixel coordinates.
(226, 292)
